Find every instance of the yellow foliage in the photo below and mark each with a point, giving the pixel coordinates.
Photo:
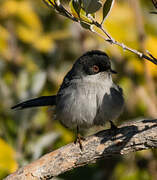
(30, 18)
(3, 40)
(135, 64)
(60, 34)
(26, 34)
(44, 43)
(22, 10)
(9, 8)
(121, 26)
(66, 134)
(7, 157)
(151, 44)
(41, 42)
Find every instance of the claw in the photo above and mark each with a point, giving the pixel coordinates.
(79, 139)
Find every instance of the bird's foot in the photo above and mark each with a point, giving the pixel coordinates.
(79, 140)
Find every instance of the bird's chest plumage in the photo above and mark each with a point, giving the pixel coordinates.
(86, 103)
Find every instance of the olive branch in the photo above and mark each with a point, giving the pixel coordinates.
(84, 13)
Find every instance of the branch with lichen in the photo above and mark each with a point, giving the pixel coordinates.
(130, 137)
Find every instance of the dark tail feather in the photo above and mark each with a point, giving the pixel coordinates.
(41, 101)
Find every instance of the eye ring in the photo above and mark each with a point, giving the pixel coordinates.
(95, 69)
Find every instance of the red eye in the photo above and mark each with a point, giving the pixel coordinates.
(95, 68)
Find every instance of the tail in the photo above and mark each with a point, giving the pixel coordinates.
(41, 101)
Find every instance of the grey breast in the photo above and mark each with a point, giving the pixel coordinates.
(88, 102)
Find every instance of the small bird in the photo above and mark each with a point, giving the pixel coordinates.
(87, 96)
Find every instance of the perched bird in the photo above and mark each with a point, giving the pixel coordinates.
(87, 96)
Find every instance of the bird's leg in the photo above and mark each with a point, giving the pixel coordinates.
(113, 129)
(113, 126)
(79, 138)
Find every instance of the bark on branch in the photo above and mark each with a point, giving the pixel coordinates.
(130, 137)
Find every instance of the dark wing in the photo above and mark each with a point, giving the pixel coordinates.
(41, 101)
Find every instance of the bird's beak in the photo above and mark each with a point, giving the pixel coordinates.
(113, 71)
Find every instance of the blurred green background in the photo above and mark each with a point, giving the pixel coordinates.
(37, 48)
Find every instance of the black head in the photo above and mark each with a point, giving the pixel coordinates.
(92, 62)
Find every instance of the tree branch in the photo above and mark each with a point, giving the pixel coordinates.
(64, 12)
(130, 137)
(111, 40)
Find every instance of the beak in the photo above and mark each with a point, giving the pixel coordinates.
(113, 71)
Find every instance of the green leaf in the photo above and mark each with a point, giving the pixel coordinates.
(74, 10)
(50, 2)
(85, 25)
(80, 14)
(91, 6)
(84, 17)
(106, 8)
(77, 6)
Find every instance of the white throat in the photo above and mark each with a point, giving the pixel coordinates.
(101, 81)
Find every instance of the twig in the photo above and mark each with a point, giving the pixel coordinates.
(130, 137)
(155, 3)
(140, 54)
(142, 44)
(64, 12)
(111, 40)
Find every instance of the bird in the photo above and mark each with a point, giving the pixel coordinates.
(87, 96)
